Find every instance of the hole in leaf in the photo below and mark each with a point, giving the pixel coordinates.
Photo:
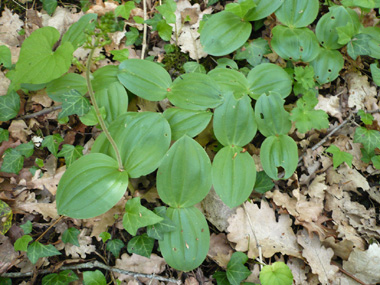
(329, 70)
(301, 49)
(332, 18)
(280, 170)
(261, 116)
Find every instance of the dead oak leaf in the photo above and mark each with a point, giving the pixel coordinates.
(220, 251)
(85, 246)
(273, 236)
(19, 130)
(358, 89)
(299, 270)
(318, 257)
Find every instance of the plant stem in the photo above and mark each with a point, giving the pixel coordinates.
(97, 111)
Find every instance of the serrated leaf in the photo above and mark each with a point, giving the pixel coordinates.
(27, 227)
(64, 277)
(52, 143)
(369, 138)
(37, 62)
(94, 278)
(359, 45)
(103, 187)
(5, 217)
(4, 135)
(114, 246)
(22, 243)
(77, 32)
(365, 117)
(9, 105)
(157, 231)
(253, 51)
(49, 6)
(71, 153)
(37, 250)
(276, 274)
(105, 236)
(141, 245)
(137, 216)
(263, 183)
(236, 271)
(304, 76)
(26, 149)
(5, 56)
(125, 9)
(339, 156)
(13, 161)
(375, 72)
(71, 236)
(74, 103)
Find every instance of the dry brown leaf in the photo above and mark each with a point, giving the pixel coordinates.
(299, 270)
(351, 179)
(47, 181)
(331, 106)
(358, 89)
(318, 257)
(7, 253)
(19, 130)
(220, 251)
(341, 248)
(41, 98)
(365, 265)
(273, 236)
(85, 246)
(4, 84)
(10, 26)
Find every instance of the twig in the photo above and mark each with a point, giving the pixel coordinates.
(52, 225)
(254, 235)
(42, 112)
(18, 4)
(349, 274)
(91, 265)
(144, 33)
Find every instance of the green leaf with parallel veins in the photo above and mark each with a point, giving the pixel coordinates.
(27, 227)
(91, 186)
(91, 119)
(195, 91)
(268, 77)
(5, 217)
(13, 161)
(224, 33)
(339, 156)
(26, 149)
(56, 88)
(5, 57)
(375, 72)
(144, 78)
(52, 142)
(233, 175)
(9, 105)
(4, 135)
(369, 138)
(263, 183)
(114, 246)
(37, 62)
(94, 278)
(327, 65)
(71, 236)
(298, 13)
(366, 118)
(192, 66)
(49, 6)
(71, 153)
(367, 4)
(37, 250)
(184, 176)
(240, 8)
(230, 80)
(74, 103)
(64, 277)
(276, 274)
(77, 32)
(137, 216)
(141, 245)
(158, 230)
(253, 51)
(22, 243)
(279, 151)
(359, 45)
(104, 77)
(263, 9)
(236, 271)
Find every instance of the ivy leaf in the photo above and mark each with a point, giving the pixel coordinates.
(9, 105)
(369, 138)
(4, 135)
(49, 6)
(359, 46)
(26, 149)
(141, 245)
(12, 161)
(37, 250)
(365, 117)
(70, 153)
(94, 278)
(5, 57)
(105, 236)
(157, 231)
(114, 246)
(276, 274)
(253, 51)
(167, 10)
(375, 72)
(52, 143)
(367, 155)
(376, 161)
(71, 236)
(74, 103)
(22, 243)
(236, 271)
(154, 21)
(27, 227)
(120, 55)
(132, 35)
(263, 183)
(164, 30)
(64, 277)
(137, 216)
(221, 278)
(125, 9)
(339, 156)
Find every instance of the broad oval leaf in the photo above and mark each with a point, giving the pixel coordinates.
(114, 99)
(186, 247)
(76, 34)
(144, 78)
(184, 176)
(195, 91)
(279, 151)
(234, 121)
(104, 77)
(298, 13)
(329, 24)
(269, 77)
(38, 63)
(263, 9)
(327, 65)
(91, 186)
(224, 33)
(271, 117)
(277, 273)
(186, 122)
(297, 44)
(230, 80)
(142, 139)
(56, 88)
(233, 175)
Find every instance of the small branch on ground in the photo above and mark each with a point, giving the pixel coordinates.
(40, 113)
